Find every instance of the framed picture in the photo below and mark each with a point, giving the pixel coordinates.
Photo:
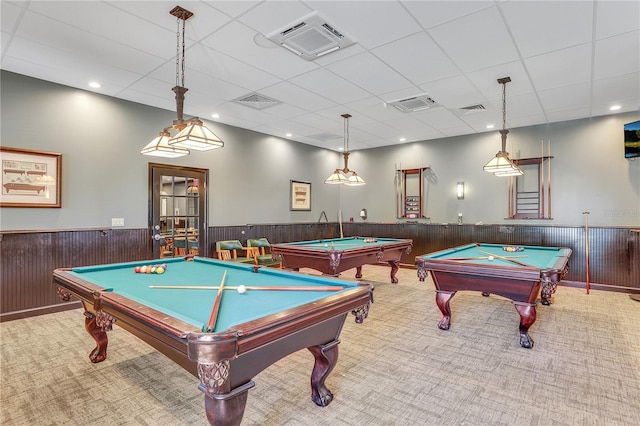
(300, 198)
(30, 178)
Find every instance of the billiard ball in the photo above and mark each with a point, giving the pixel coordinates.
(491, 257)
(326, 245)
(137, 269)
(143, 269)
(242, 289)
(159, 270)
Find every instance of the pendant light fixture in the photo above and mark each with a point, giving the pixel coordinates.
(501, 165)
(345, 176)
(192, 134)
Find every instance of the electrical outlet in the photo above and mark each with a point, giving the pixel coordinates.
(117, 221)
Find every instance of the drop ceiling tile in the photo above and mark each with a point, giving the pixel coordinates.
(378, 78)
(325, 83)
(617, 56)
(567, 98)
(476, 41)
(432, 13)
(426, 63)
(561, 68)
(541, 27)
(616, 17)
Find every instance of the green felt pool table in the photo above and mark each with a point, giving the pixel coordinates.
(253, 329)
(334, 255)
(518, 273)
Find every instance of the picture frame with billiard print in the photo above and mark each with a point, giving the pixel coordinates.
(30, 178)
(300, 196)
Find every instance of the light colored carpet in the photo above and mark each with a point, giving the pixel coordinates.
(397, 368)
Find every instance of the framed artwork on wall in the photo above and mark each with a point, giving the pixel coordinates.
(30, 178)
(300, 195)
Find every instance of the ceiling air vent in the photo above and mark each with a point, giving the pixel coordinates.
(310, 37)
(471, 109)
(415, 103)
(257, 101)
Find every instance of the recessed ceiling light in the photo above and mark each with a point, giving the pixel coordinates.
(95, 85)
(215, 115)
(615, 108)
(289, 135)
(403, 139)
(490, 126)
(341, 149)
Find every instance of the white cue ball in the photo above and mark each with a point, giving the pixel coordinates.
(241, 289)
(491, 258)
(326, 245)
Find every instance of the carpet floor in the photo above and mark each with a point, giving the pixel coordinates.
(397, 368)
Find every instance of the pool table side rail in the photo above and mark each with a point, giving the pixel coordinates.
(301, 250)
(259, 332)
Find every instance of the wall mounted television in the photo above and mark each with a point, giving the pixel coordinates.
(632, 139)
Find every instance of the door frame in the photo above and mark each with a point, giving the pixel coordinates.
(156, 170)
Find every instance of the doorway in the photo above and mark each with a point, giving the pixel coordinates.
(178, 210)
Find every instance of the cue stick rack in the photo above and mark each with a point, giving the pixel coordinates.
(530, 194)
(410, 205)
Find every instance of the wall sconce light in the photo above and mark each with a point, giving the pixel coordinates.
(363, 214)
(460, 190)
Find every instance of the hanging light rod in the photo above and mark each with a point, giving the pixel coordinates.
(192, 134)
(345, 176)
(501, 165)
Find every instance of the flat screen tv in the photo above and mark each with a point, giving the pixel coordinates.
(632, 140)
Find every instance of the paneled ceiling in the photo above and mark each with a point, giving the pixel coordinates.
(566, 59)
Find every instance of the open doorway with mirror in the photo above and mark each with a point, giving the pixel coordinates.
(178, 210)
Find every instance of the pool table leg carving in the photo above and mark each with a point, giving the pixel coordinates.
(422, 273)
(326, 357)
(527, 313)
(99, 334)
(442, 300)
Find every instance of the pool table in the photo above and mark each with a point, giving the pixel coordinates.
(335, 255)
(252, 330)
(518, 273)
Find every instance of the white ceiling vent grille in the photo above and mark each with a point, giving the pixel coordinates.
(471, 109)
(310, 37)
(257, 101)
(415, 103)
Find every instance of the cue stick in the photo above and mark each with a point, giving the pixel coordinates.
(340, 221)
(549, 182)
(264, 288)
(505, 258)
(216, 305)
(480, 257)
(541, 170)
(586, 247)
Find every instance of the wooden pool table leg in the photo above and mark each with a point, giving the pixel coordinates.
(97, 326)
(226, 408)
(527, 313)
(442, 299)
(394, 269)
(326, 357)
(359, 272)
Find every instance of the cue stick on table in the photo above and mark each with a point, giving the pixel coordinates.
(505, 258)
(481, 257)
(340, 221)
(586, 246)
(216, 305)
(264, 288)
